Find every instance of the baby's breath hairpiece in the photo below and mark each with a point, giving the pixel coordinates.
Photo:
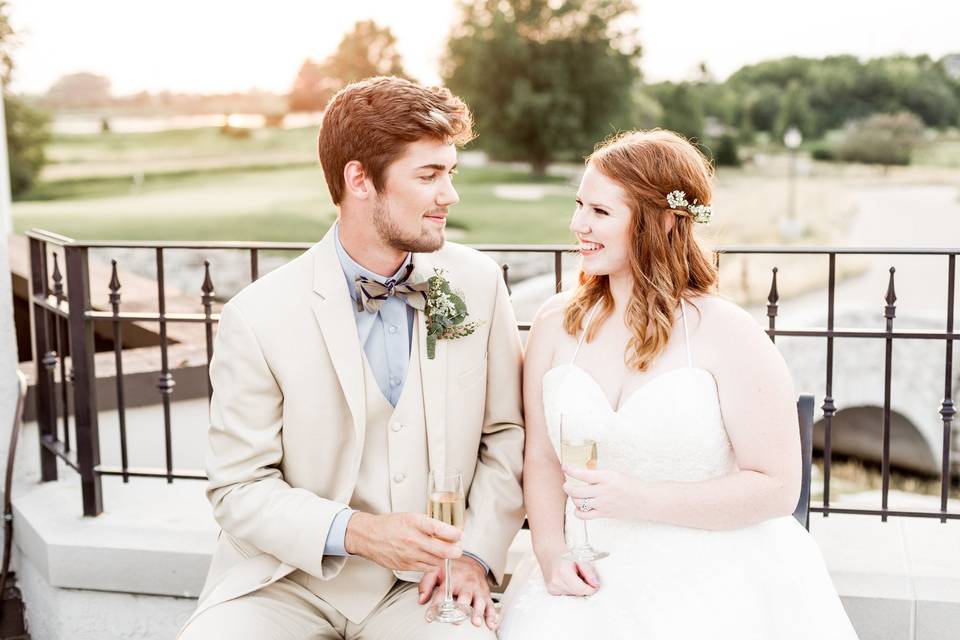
(700, 212)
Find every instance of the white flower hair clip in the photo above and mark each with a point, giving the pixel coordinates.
(700, 212)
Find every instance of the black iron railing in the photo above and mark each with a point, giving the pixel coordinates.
(64, 323)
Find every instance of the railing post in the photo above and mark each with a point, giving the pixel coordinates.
(889, 312)
(85, 388)
(46, 408)
(772, 299)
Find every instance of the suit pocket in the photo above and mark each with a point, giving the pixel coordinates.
(473, 375)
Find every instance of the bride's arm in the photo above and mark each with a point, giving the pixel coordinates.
(759, 412)
(543, 493)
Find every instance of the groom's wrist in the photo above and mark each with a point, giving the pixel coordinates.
(484, 567)
(355, 534)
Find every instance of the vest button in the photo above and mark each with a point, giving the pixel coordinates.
(400, 477)
(396, 426)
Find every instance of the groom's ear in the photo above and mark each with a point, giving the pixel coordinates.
(356, 182)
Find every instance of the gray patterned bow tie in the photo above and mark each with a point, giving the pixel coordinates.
(372, 293)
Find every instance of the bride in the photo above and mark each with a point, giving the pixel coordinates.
(693, 414)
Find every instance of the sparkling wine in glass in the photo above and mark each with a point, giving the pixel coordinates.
(580, 453)
(446, 504)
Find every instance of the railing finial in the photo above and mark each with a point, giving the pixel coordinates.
(774, 296)
(114, 283)
(891, 309)
(207, 287)
(57, 279)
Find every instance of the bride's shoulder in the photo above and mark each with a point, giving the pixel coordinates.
(714, 314)
(546, 330)
(549, 316)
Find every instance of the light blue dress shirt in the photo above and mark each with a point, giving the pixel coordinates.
(386, 337)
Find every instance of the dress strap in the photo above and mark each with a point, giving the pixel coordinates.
(583, 335)
(686, 335)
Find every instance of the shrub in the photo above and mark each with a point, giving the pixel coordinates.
(887, 139)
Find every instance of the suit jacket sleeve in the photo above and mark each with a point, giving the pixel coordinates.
(251, 501)
(495, 501)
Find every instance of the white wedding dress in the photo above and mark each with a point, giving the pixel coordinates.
(663, 582)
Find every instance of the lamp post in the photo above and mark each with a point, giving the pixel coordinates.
(790, 227)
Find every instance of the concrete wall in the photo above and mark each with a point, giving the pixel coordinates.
(8, 343)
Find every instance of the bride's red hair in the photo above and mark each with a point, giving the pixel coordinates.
(665, 266)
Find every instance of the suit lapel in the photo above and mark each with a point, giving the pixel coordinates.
(334, 313)
(433, 376)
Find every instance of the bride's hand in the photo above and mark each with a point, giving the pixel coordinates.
(609, 494)
(569, 578)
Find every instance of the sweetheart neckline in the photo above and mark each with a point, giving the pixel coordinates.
(632, 394)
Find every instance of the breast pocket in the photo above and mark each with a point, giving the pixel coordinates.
(473, 375)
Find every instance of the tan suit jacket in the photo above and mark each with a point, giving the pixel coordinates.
(288, 425)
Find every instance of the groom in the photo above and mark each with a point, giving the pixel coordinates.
(341, 379)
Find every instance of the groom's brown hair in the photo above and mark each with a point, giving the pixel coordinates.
(373, 120)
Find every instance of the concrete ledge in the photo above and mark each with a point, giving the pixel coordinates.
(157, 538)
(135, 571)
(54, 613)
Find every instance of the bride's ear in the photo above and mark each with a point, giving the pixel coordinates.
(668, 221)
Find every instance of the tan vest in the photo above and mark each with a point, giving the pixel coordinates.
(388, 482)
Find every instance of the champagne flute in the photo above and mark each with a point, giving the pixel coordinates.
(446, 504)
(579, 453)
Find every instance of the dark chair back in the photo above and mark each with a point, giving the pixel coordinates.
(805, 407)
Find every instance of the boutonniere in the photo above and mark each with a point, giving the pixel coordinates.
(446, 312)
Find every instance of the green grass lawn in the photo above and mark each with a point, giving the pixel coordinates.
(287, 204)
(180, 144)
(214, 187)
(941, 153)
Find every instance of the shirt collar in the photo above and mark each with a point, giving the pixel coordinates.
(352, 269)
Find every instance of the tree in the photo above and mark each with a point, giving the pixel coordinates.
(79, 90)
(312, 88)
(727, 153)
(544, 78)
(795, 111)
(840, 89)
(28, 129)
(368, 50)
(682, 108)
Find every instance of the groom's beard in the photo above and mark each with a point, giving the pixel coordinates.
(429, 239)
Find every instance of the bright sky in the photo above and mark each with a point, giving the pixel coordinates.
(222, 45)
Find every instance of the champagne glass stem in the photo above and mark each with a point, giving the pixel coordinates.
(586, 535)
(447, 583)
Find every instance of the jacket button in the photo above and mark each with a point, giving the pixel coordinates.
(396, 426)
(400, 477)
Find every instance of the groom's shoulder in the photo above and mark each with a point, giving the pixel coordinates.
(274, 290)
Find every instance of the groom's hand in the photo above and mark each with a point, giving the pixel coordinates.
(402, 541)
(470, 587)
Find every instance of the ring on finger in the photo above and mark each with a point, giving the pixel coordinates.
(585, 505)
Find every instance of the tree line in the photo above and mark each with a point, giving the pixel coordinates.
(546, 80)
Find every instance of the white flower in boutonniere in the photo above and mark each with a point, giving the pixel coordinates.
(446, 312)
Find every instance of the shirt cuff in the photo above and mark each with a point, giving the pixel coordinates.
(483, 564)
(336, 536)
